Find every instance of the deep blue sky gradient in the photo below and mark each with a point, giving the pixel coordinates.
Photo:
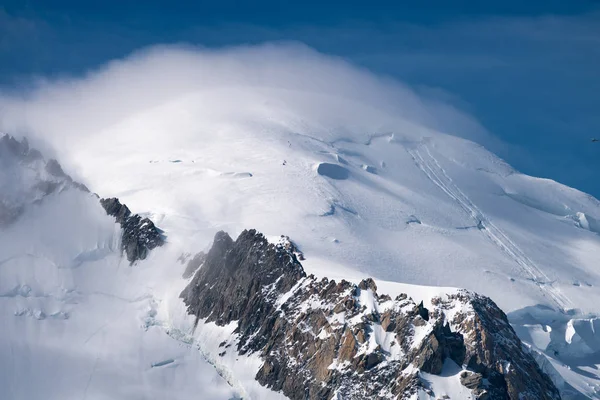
(529, 71)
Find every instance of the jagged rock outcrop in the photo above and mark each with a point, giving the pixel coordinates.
(26, 178)
(320, 339)
(34, 178)
(140, 235)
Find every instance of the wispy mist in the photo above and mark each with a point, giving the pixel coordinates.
(309, 84)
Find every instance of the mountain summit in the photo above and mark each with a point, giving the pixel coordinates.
(374, 196)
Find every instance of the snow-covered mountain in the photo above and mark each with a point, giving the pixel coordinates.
(362, 192)
(321, 339)
(74, 314)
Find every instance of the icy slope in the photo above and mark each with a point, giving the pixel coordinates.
(74, 314)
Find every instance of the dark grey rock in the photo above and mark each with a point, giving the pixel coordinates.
(373, 359)
(114, 208)
(140, 235)
(422, 311)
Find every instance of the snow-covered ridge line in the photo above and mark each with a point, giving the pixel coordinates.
(72, 316)
(320, 339)
(27, 177)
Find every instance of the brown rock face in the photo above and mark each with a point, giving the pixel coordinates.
(490, 345)
(321, 339)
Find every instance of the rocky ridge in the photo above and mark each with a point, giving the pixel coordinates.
(140, 235)
(321, 339)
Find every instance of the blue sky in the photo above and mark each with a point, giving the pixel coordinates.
(528, 71)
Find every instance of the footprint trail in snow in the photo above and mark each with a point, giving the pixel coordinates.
(430, 166)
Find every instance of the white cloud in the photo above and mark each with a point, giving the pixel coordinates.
(305, 81)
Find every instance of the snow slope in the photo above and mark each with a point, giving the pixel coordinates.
(438, 210)
(75, 317)
(431, 209)
(361, 190)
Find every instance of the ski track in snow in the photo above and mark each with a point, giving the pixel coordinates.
(430, 166)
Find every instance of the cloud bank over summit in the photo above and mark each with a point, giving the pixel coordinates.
(299, 78)
(355, 168)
